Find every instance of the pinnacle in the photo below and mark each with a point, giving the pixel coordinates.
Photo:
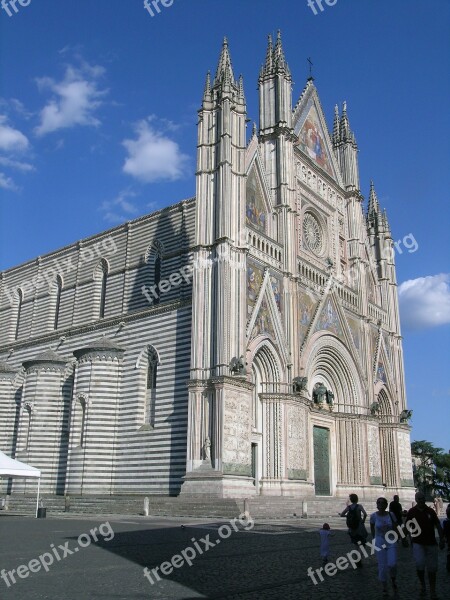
(224, 69)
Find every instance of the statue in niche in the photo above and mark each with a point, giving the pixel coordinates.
(299, 384)
(207, 449)
(330, 397)
(237, 366)
(319, 393)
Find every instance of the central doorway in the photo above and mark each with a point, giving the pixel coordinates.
(321, 440)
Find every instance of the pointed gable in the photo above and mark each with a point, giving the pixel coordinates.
(254, 283)
(256, 206)
(266, 318)
(311, 128)
(329, 319)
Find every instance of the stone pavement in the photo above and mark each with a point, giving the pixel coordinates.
(269, 561)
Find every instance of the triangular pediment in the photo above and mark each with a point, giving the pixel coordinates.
(266, 318)
(311, 128)
(258, 204)
(354, 325)
(330, 317)
(383, 369)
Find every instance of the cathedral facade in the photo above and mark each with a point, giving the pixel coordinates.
(242, 342)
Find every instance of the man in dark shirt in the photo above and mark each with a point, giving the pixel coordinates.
(396, 508)
(424, 544)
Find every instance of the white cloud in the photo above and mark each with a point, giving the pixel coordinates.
(153, 156)
(16, 164)
(119, 209)
(6, 183)
(425, 302)
(74, 100)
(11, 140)
(13, 144)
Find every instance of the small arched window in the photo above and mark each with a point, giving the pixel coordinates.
(153, 271)
(101, 286)
(83, 422)
(58, 292)
(152, 376)
(19, 312)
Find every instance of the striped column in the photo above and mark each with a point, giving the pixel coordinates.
(42, 414)
(94, 418)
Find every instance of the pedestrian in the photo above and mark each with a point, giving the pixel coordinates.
(446, 529)
(396, 508)
(325, 534)
(356, 516)
(425, 550)
(381, 522)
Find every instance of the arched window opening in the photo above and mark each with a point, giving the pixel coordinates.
(150, 397)
(58, 301)
(157, 276)
(83, 422)
(27, 433)
(19, 313)
(101, 286)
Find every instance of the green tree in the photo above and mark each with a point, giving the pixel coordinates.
(431, 470)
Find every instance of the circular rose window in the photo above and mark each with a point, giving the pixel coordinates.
(312, 234)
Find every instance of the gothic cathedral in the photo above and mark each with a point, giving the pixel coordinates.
(243, 342)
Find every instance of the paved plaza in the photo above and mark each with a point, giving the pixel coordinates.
(269, 561)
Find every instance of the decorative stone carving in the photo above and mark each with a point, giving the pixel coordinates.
(404, 456)
(375, 409)
(297, 446)
(237, 366)
(237, 432)
(207, 449)
(299, 384)
(319, 393)
(373, 442)
(405, 416)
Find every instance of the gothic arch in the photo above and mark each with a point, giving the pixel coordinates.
(263, 353)
(329, 360)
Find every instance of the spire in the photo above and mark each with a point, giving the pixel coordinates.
(207, 92)
(279, 59)
(275, 60)
(241, 88)
(374, 207)
(336, 126)
(254, 129)
(268, 65)
(345, 124)
(224, 71)
(386, 222)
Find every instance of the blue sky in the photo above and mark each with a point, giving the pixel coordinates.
(98, 126)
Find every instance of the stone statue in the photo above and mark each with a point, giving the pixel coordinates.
(207, 449)
(405, 416)
(299, 384)
(330, 397)
(237, 366)
(375, 409)
(320, 392)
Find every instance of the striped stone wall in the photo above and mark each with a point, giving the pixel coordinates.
(99, 365)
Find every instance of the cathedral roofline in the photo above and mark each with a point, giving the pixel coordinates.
(106, 232)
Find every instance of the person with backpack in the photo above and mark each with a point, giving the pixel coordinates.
(355, 518)
(381, 522)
